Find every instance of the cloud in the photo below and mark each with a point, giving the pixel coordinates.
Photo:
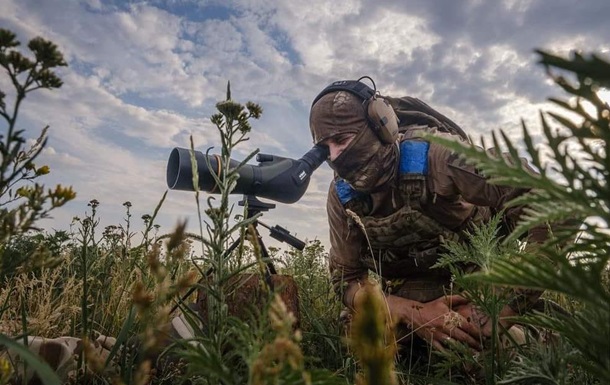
(144, 76)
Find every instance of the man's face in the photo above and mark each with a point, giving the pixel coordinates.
(360, 158)
(337, 143)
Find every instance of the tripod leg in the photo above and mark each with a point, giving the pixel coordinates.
(265, 254)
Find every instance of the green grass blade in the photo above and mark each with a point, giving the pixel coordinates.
(122, 337)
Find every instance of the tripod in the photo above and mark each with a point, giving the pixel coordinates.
(254, 207)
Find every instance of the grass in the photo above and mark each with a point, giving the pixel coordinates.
(51, 300)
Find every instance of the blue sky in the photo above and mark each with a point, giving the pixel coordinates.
(145, 75)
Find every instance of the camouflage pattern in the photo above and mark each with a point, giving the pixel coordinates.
(337, 113)
(407, 228)
(400, 226)
(366, 162)
(63, 354)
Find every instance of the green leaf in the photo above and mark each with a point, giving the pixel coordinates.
(593, 67)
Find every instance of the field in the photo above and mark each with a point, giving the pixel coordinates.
(88, 281)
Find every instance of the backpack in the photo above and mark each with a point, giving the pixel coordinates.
(412, 111)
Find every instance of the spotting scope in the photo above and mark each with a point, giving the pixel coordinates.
(280, 179)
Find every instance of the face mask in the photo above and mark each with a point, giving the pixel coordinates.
(366, 163)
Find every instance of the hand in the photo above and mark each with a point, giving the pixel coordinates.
(434, 321)
(503, 323)
(483, 322)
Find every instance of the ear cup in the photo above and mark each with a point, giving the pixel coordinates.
(383, 119)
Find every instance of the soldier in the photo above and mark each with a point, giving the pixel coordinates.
(408, 195)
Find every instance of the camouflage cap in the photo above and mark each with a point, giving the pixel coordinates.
(336, 113)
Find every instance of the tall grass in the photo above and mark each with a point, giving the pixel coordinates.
(97, 281)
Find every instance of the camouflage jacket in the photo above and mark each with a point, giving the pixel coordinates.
(455, 196)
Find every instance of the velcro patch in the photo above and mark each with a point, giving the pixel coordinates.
(345, 191)
(414, 157)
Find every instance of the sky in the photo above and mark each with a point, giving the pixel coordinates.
(144, 76)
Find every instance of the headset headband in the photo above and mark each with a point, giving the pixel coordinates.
(379, 113)
(356, 87)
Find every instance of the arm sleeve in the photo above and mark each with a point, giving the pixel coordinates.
(346, 269)
(456, 177)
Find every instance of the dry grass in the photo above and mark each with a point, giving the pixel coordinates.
(49, 300)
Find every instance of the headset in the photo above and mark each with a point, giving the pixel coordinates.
(379, 112)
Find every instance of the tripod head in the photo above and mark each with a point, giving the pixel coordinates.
(255, 206)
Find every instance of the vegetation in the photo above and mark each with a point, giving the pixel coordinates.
(96, 282)
(574, 172)
(23, 201)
